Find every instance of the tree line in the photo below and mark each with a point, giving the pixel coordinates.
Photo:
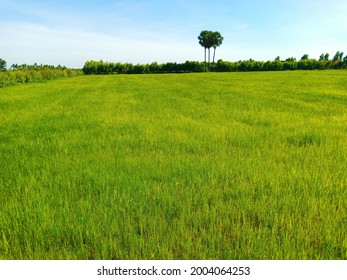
(305, 63)
(101, 67)
(25, 73)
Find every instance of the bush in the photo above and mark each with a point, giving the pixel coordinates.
(32, 73)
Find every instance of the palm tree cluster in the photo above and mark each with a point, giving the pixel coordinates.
(209, 39)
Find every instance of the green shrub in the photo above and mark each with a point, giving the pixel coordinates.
(32, 73)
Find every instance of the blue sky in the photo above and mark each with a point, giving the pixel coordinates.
(142, 31)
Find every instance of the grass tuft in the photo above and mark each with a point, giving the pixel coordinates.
(305, 140)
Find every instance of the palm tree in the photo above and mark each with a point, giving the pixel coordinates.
(206, 40)
(209, 39)
(217, 41)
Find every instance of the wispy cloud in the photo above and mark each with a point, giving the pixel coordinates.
(56, 46)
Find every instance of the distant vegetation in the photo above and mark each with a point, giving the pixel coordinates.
(30, 73)
(305, 63)
(101, 67)
(2, 64)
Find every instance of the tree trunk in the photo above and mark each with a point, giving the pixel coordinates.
(205, 55)
(214, 54)
(209, 58)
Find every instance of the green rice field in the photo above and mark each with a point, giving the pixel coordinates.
(175, 166)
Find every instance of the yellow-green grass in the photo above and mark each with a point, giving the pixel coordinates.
(185, 166)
